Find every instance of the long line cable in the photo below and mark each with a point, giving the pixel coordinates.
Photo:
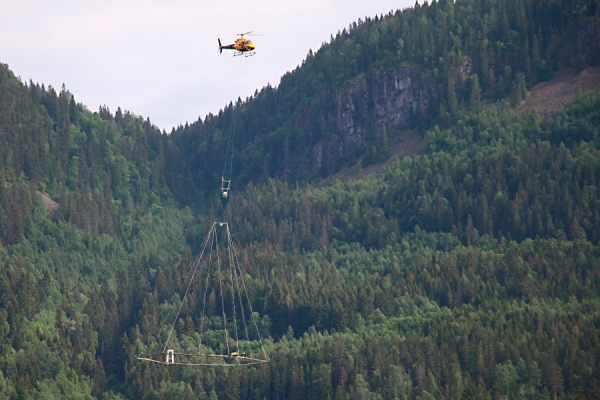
(232, 128)
(234, 264)
(229, 151)
(230, 143)
(187, 290)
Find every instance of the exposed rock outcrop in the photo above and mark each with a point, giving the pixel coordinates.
(49, 203)
(386, 99)
(381, 102)
(560, 91)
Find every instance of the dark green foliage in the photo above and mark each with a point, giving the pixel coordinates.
(407, 284)
(469, 270)
(463, 54)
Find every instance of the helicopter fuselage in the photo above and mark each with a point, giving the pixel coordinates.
(241, 45)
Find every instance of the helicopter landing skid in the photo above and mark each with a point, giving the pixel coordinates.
(245, 53)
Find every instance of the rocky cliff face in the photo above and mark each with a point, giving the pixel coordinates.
(383, 101)
(386, 99)
(367, 106)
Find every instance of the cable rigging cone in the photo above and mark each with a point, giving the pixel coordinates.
(242, 344)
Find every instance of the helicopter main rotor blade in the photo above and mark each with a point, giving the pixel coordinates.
(249, 33)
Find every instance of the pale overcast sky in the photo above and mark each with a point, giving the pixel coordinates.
(159, 58)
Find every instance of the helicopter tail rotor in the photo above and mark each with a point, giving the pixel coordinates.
(220, 47)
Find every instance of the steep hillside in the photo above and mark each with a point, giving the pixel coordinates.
(561, 91)
(545, 98)
(412, 69)
(467, 268)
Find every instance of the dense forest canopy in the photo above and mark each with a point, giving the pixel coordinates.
(468, 270)
(461, 55)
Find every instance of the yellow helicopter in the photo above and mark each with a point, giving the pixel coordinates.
(242, 46)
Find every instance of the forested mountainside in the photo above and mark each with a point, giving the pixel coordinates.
(468, 270)
(419, 67)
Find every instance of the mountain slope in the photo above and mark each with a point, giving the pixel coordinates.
(466, 269)
(545, 98)
(561, 91)
(409, 69)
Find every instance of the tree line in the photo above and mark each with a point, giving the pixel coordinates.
(466, 271)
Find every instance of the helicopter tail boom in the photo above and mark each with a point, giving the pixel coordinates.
(227, 47)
